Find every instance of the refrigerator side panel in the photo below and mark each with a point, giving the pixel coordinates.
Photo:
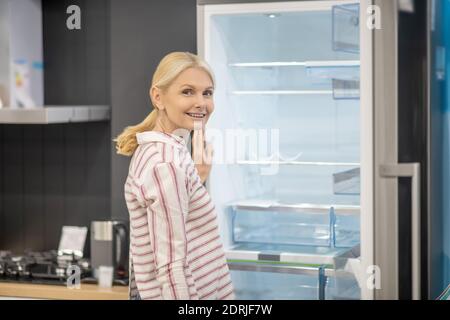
(385, 130)
(367, 154)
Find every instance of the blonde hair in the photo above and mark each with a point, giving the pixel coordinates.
(167, 71)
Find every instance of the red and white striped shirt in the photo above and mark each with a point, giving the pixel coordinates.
(175, 246)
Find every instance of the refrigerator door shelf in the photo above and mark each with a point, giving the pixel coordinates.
(346, 28)
(346, 89)
(347, 182)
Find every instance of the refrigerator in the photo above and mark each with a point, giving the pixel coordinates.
(323, 177)
(439, 141)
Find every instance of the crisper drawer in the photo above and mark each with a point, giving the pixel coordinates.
(255, 281)
(301, 224)
(254, 285)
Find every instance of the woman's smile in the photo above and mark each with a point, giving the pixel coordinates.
(196, 115)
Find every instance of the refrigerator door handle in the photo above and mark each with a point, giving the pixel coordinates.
(410, 170)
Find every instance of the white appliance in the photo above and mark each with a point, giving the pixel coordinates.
(305, 132)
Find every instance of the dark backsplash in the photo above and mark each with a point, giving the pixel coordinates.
(59, 174)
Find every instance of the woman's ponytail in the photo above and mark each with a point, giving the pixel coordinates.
(126, 142)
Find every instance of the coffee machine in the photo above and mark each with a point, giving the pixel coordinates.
(109, 247)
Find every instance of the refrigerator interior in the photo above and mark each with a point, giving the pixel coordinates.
(287, 188)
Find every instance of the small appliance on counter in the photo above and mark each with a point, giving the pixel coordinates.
(49, 267)
(109, 247)
(46, 267)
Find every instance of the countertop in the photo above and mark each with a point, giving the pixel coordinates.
(39, 291)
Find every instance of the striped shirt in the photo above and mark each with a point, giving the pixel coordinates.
(175, 246)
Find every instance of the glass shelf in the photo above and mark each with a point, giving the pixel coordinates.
(286, 255)
(272, 205)
(283, 92)
(291, 188)
(54, 114)
(294, 78)
(318, 226)
(325, 63)
(299, 163)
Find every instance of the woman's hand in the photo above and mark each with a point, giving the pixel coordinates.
(202, 154)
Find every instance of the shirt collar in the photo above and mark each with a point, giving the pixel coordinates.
(165, 137)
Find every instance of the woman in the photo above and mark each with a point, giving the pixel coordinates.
(175, 249)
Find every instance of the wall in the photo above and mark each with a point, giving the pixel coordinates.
(142, 32)
(59, 174)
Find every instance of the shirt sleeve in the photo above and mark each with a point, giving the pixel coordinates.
(167, 196)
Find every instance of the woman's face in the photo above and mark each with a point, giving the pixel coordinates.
(188, 100)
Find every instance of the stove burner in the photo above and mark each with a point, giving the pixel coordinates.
(40, 266)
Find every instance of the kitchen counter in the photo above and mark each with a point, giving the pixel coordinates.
(39, 291)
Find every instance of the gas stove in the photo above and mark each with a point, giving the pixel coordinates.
(40, 267)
